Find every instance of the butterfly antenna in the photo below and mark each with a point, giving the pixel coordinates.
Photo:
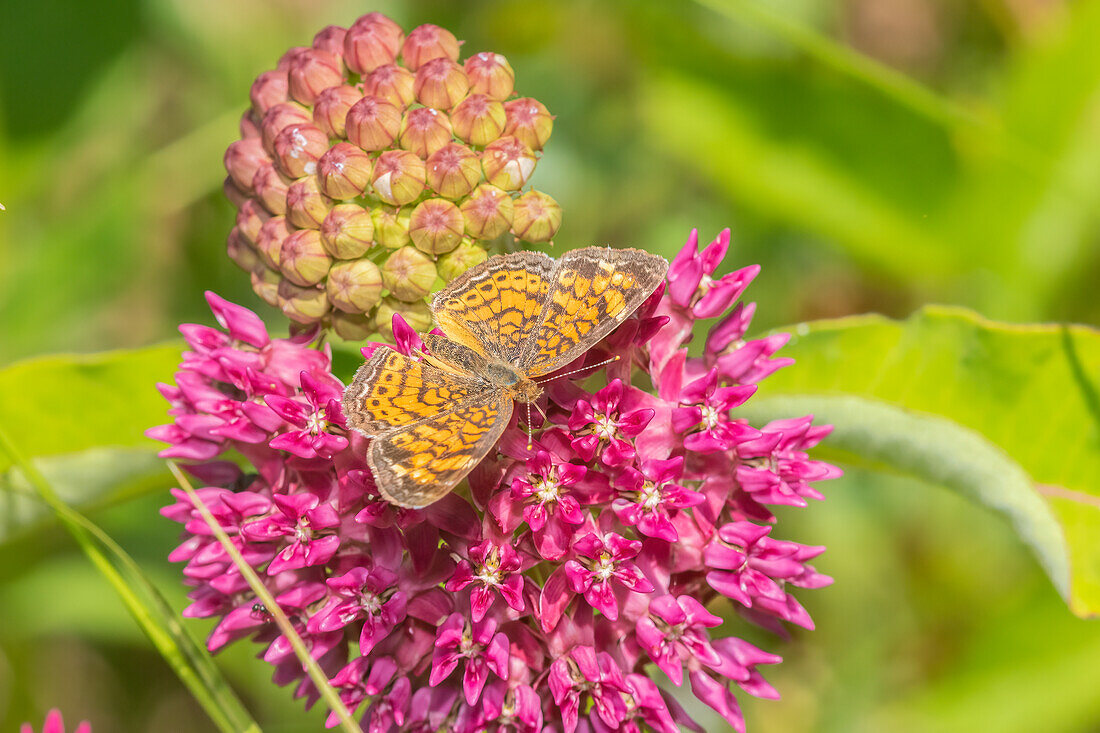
(582, 369)
(530, 440)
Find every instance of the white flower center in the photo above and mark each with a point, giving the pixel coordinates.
(490, 572)
(605, 429)
(370, 602)
(605, 567)
(316, 423)
(710, 416)
(547, 489)
(650, 496)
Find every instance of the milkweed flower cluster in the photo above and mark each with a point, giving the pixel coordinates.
(373, 163)
(54, 723)
(569, 587)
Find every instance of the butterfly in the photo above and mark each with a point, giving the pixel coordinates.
(508, 321)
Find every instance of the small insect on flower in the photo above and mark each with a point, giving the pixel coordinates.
(508, 321)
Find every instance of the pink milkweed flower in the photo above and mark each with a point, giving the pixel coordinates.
(479, 645)
(606, 559)
(647, 497)
(56, 724)
(577, 564)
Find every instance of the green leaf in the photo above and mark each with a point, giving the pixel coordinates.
(1007, 415)
(64, 404)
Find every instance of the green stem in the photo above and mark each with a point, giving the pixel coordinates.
(153, 614)
(319, 678)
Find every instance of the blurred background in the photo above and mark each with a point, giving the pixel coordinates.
(872, 155)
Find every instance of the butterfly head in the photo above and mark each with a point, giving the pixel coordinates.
(513, 381)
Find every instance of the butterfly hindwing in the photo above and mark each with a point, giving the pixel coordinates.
(593, 290)
(418, 464)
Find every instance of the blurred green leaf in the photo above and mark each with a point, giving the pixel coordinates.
(1007, 415)
(70, 403)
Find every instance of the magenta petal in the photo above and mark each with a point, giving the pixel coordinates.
(601, 597)
(242, 324)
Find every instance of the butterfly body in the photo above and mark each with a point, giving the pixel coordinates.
(508, 321)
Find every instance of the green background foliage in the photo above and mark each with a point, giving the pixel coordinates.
(872, 155)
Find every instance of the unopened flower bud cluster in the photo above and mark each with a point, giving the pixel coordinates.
(374, 166)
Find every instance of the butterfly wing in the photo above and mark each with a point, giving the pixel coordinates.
(593, 290)
(493, 308)
(391, 390)
(416, 465)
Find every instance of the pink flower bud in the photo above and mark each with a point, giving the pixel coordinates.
(354, 286)
(303, 258)
(232, 192)
(352, 326)
(424, 130)
(265, 283)
(409, 274)
(537, 217)
(391, 226)
(306, 206)
(241, 251)
(303, 305)
(398, 177)
(440, 83)
(269, 89)
(488, 212)
(288, 57)
(330, 39)
(331, 108)
(436, 226)
(279, 116)
(490, 74)
(416, 314)
(508, 163)
(269, 242)
(347, 231)
(242, 159)
(427, 42)
(249, 126)
(392, 83)
(373, 123)
(529, 122)
(344, 171)
(478, 119)
(311, 72)
(271, 186)
(459, 260)
(372, 41)
(453, 171)
(250, 217)
(298, 148)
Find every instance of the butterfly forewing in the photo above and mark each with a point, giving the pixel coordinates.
(594, 290)
(392, 390)
(416, 465)
(493, 308)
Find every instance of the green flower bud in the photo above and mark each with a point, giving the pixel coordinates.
(529, 122)
(453, 171)
(373, 123)
(391, 226)
(352, 326)
(408, 274)
(436, 226)
(271, 186)
(490, 74)
(332, 107)
(478, 119)
(440, 83)
(392, 83)
(488, 212)
(240, 250)
(269, 242)
(398, 177)
(306, 206)
(354, 286)
(347, 231)
(428, 42)
(415, 314)
(508, 163)
(344, 171)
(303, 258)
(265, 283)
(424, 130)
(460, 259)
(537, 217)
(303, 305)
